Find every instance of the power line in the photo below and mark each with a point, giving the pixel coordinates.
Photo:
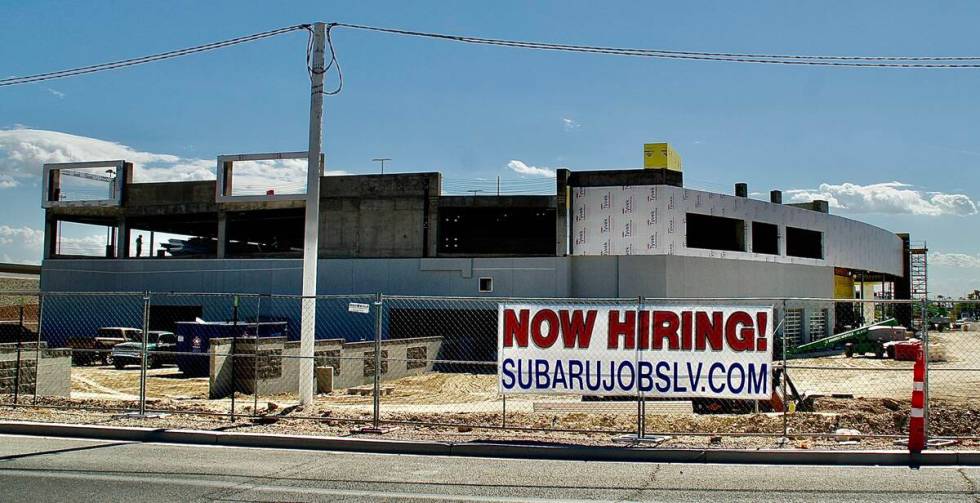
(148, 59)
(731, 57)
(781, 59)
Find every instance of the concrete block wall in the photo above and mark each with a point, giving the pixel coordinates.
(51, 373)
(277, 361)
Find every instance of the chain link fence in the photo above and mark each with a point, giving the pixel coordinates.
(840, 368)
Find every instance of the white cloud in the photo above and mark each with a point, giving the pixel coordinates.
(569, 124)
(58, 94)
(21, 245)
(888, 198)
(23, 151)
(26, 236)
(521, 168)
(960, 260)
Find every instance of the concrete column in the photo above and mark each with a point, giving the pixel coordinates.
(431, 215)
(781, 240)
(222, 234)
(563, 201)
(50, 237)
(747, 232)
(122, 244)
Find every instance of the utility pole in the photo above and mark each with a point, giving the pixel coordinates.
(311, 234)
(382, 161)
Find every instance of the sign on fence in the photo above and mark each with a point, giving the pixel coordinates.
(357, 307)
(664, 351)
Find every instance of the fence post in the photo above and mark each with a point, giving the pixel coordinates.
(146, 336)
(503, 412)
(640, 405)
(20, 339)
(234, 349)
(37, 343)
(377, 361)
(785, 436)
(925, 351)
(255, 357)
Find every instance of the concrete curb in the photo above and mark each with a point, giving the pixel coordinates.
(494, 450)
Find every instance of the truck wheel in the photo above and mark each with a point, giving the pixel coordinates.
(119, 364)
(107, 360)
(151, 362)
(849, 350)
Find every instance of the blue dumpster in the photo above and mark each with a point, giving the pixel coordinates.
(195, 338)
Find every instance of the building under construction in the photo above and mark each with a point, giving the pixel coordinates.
(623, 233)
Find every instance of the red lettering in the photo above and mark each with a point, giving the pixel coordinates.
(761, 319)
(686, 329)
(576, 331)
(644, 329)
(665, 325)
(740, 339)
(708, 331)
(541, 339)
(515, 328)
(624, 329)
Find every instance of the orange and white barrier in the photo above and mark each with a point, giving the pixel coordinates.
(917, 426)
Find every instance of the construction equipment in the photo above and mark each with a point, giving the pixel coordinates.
(859, 341)
(778, 402)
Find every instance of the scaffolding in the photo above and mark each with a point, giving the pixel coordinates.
(918, 276)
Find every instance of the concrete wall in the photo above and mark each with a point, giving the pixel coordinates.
(692, 277)
(654, 276)
(522, 276)
(277, 363)
(651, 220)
(379, 215)
(578, 276)
(52, 375)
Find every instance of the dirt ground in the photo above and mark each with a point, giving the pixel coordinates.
(16, 284)
(876, 403)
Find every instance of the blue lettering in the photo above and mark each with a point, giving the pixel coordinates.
(523, 372)
(663, 383)
(759, 381)
(559, 375)
(507, 380)
(711, 377)
(593, 386)
(677, 380)
(575, 374)
(623, 366)
(610, 382)
(541, 378)
(741, 378)
(694, 375)
(645, 376)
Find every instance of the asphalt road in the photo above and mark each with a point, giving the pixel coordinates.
(52, 469)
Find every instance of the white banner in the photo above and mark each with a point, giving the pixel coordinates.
(681, 351)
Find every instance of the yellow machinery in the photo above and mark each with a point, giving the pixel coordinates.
(660, 156)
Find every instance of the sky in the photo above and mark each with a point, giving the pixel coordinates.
(892, 147)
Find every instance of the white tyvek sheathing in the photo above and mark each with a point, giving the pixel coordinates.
(651, 220)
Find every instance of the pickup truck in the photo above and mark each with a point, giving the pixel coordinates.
(86, 349)
(130, 352)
